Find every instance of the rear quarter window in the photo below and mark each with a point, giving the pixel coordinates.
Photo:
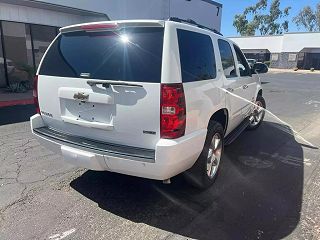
(227, 59)
(197, 57)
(131, 54)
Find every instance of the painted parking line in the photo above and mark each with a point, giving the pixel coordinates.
(62, 235)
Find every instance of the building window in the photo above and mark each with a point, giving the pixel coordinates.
(274, 57)
(42, 36)
(3, 81)
(292, 57)
(24, 45)
(18, 49)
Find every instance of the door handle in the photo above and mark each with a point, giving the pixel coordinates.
(245, 86)
(230, 89)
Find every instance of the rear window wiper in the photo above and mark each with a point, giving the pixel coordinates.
(107, 83)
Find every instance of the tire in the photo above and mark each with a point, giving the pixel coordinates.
(198, 175)
(255, 119)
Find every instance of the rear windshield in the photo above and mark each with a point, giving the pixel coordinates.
(131, 54)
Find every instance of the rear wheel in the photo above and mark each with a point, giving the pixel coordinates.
(258, 113)
(205, 170)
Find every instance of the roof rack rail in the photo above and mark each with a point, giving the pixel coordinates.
(190, 21)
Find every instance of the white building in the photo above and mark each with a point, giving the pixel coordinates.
(289, 50)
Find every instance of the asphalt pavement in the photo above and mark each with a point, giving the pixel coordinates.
(16, 114)
(268, 186)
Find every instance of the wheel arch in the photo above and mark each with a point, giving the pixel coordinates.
(221, 116)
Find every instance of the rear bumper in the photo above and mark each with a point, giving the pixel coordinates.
(169, 158)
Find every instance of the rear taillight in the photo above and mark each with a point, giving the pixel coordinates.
(35, 94)
(172, 111)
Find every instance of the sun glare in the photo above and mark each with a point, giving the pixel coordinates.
(124, 38)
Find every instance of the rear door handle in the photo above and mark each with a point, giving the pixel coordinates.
(245, 86)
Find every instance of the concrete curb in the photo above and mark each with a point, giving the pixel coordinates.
(292, 71)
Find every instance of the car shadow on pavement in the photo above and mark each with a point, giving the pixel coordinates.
(257, 194)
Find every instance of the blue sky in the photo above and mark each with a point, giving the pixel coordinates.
(233, 7)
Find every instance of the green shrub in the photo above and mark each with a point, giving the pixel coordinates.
(19, 87)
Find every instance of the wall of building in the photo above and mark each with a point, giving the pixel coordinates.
(201, 12)
(295, 42)
(272, 43)
(16, 13)
(285, 60)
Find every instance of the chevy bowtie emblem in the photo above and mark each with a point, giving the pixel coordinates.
(81, 96)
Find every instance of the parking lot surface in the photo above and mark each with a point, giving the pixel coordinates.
(268, 187)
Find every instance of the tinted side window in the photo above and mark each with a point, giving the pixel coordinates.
(242, 63)
(227, 59)
(196, 56)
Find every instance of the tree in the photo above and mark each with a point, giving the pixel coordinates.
(318, 15)
(266, 22)
(308, 19)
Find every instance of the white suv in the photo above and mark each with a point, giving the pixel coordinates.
(145, 98)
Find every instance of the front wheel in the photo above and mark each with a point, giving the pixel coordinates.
(204, 172)
(258, 113)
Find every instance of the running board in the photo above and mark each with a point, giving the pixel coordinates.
(236, 132)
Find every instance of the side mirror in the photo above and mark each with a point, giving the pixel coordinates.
(259, 68)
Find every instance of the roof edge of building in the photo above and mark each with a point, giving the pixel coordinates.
(54, 7)
(276, 35)
(214, 3)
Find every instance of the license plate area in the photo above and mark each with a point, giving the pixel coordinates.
(87, 111)
(96, 110)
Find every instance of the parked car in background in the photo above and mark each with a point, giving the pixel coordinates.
(260, 67)
(263, 68)
(151, 99)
